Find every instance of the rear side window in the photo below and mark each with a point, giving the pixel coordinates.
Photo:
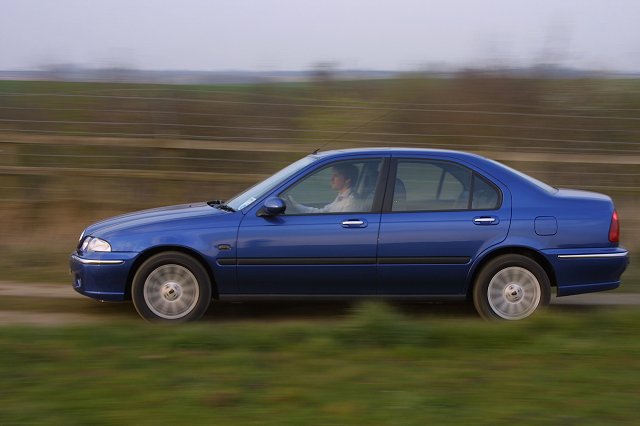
(423, 185)
(433, 186)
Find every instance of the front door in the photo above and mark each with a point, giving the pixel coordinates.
(326, 240)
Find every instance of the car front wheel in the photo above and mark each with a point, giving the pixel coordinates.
(511, 287)
(171, 287)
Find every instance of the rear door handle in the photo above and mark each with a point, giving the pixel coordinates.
(486, 220)
(354, 223)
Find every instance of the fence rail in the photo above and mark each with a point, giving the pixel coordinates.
(565, 135)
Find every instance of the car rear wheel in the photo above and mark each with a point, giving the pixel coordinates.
(171, 287)
(511, 287)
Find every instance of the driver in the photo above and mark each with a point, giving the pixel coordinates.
(342, 180)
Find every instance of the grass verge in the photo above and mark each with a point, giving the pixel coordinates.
(374, 366)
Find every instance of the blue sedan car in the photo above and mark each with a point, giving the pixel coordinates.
(383, 223)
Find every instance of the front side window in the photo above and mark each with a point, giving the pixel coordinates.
(422, 185)
(341, 187)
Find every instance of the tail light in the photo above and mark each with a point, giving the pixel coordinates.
(614, 229)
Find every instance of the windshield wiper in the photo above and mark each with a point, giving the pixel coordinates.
(219, 204)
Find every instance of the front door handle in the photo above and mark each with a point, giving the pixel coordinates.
(486, 220)
(354, 223)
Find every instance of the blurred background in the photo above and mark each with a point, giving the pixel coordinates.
(130, 105)
(113, 106)
(75, 152)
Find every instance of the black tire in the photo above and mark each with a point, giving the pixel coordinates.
(171, 287)
(511, 287)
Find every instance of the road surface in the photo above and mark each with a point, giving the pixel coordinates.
(58, 304)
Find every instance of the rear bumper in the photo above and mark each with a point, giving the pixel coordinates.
(587, 270)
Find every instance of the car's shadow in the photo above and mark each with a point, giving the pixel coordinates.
(283, 311)
(304, 311)
(248, 311)
(276, 311)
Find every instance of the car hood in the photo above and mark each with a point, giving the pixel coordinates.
(151, 217)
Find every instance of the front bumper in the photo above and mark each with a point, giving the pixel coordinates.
(102, 276)
(587, 270)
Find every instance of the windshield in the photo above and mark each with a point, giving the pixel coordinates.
(248, 197)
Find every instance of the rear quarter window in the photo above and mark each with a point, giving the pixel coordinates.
(485, 195)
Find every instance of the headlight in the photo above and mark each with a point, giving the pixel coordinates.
(95, 244)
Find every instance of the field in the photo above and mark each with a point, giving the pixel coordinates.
(73, 153)
(370, 364)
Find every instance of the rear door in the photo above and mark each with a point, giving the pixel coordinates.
(437, 217)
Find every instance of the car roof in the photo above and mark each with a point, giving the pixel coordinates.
(402, 152)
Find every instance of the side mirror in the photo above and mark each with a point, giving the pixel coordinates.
(272, 207)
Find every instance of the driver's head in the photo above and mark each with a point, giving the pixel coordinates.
(344, 176)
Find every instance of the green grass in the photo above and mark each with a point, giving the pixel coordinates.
(374, 366)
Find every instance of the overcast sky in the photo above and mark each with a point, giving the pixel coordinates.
(296, 34)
